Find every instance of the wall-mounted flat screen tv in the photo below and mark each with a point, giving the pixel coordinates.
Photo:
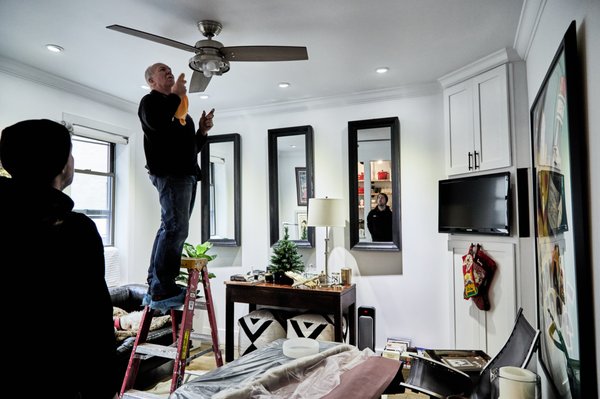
(475, 204)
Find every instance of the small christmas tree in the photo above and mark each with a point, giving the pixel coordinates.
(285, 256)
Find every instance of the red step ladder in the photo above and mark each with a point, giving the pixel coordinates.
(180, 350)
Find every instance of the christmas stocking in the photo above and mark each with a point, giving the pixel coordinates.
(471, 287)
(488, 266)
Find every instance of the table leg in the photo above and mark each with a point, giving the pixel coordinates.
(352, 323)
(229, 309)
(338, 328)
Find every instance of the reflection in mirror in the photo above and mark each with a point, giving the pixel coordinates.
(374, 200)
(291, 183)
(220, 190)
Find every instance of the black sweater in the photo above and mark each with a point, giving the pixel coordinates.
(171, 149)
(59, 308)
(380, 224)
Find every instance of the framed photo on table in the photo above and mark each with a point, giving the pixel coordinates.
(301, 191)
(564, 291)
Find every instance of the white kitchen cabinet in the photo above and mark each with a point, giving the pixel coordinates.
(477, 329)
(477, 122)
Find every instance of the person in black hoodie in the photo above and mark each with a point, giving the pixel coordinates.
(379, 220)
(56, 257)
(171, 146)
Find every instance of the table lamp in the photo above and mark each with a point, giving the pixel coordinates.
(326, 212)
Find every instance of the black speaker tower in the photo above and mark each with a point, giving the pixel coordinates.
(366, 327)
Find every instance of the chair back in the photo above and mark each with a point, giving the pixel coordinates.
(436, 379)
(517, 351)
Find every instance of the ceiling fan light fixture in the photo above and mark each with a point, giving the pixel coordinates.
(381, 70)
(54, 48)
(209, 64)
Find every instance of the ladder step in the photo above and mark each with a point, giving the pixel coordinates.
(135, 394)
(169, 352)
(200, 304)
(200, 336)
(195, 355)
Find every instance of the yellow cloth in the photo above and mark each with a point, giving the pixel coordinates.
(182, 110)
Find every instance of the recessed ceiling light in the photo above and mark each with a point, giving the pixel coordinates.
(204, 96)
(145, 87)
(54, 48)
(283, 85)
(382, 69)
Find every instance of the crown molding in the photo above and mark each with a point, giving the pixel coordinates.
(27, 72)
(364, 97)
(531, 13)
(30, 73)
(486, 63)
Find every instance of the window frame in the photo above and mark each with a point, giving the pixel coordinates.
(111, 175)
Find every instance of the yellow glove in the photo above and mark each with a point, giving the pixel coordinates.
(182, 110)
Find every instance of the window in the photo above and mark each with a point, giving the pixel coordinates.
(93, 187)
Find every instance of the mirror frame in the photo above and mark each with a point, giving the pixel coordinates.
(353, 127)
(273, 135)
(205, 190)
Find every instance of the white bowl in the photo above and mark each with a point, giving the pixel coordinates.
(299, 347)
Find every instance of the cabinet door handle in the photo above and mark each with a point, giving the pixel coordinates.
(475, 159)
(470, 158)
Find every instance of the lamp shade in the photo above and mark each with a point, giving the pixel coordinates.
(326, 212)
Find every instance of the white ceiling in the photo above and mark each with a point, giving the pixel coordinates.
(419, 40)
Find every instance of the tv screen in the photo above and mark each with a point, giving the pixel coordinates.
(475, 205)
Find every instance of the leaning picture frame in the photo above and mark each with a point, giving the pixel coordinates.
(301, 191)
(302, 224)
(559, 173)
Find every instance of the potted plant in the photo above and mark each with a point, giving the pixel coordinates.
(285, 258)
(199, 251)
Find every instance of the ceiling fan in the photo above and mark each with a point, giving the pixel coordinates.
(212, 58)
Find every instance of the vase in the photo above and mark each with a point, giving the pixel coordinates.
(281, 278)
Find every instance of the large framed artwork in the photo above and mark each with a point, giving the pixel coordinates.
(564, 290)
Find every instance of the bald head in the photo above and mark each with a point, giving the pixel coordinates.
(159, 77)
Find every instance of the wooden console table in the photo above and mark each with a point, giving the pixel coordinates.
(338, 301)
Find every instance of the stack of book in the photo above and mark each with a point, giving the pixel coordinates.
(395, 348)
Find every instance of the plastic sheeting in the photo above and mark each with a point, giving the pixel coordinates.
(268, 373)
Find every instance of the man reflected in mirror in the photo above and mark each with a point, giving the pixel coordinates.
(379, 220)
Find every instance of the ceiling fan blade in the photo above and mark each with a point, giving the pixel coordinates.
(151, 37)
(264, 53)
(199, 82)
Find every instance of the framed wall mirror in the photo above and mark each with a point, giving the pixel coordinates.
(291, 183)
(220, 190)
(374, 169)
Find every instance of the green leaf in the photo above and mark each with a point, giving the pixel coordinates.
(202, 248)
(190, 250)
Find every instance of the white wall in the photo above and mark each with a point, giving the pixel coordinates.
(22, 99)
(401, 286)
(555, 17)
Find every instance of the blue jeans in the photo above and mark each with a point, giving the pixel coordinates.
(176, 196)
